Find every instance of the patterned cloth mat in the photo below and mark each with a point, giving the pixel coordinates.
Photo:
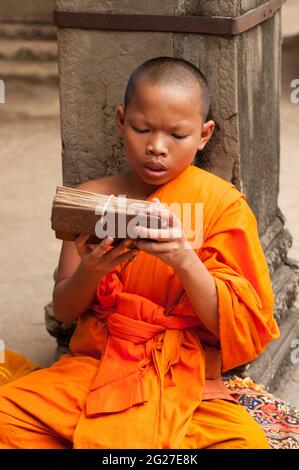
(279, 421)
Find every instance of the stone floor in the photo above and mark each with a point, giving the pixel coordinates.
(31, 170)
(290, 18)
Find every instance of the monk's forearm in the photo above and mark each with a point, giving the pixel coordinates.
(73, 296)
(201, 290)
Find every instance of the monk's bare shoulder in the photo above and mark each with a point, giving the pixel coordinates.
(119, 185)
(113, 184)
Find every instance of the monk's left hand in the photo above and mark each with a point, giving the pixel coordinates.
(168, 244)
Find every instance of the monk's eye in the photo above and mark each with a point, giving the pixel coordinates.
(141, 131)
(179, 136)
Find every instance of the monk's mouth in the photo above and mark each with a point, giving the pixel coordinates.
(155, 173)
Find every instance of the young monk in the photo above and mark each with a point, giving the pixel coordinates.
(153, 336)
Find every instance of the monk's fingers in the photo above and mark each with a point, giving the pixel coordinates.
(121, 248)
(157, 247)
(92, 246)
(81, 239)
(80, 244)
(170, 233)
(174, 221)
(105, 248)
(116, 260)
(168, 218)
(102, 247)
(131, 254)
(158, 209)
(157, 201)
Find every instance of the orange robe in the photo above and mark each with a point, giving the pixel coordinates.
(15, 366)
(144, 372)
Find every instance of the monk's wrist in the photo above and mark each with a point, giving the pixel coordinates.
(185, 262)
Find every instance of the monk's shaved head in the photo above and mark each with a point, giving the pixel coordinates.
(170, 71)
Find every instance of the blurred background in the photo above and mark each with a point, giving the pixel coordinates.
(30, 165)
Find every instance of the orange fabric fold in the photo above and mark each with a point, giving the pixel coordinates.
(15, 366)
(233, 255)
(133, 345)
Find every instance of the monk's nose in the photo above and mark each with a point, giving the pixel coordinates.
(157, 147)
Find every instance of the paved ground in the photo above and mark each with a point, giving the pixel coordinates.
(31, 170)
(290, 18)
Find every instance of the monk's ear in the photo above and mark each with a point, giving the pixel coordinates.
(120, 119)
(206, 133)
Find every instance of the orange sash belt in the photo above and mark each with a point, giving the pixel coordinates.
(142, 338)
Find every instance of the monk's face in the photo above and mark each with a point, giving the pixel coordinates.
(162, 125)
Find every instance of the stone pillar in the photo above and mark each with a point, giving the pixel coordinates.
(244, 75)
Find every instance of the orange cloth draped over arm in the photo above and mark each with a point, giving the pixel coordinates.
(233, 255)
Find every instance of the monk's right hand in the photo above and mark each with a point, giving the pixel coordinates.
(103, 258)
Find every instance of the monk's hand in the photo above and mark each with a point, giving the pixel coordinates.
(169, 244)
(102, 258)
